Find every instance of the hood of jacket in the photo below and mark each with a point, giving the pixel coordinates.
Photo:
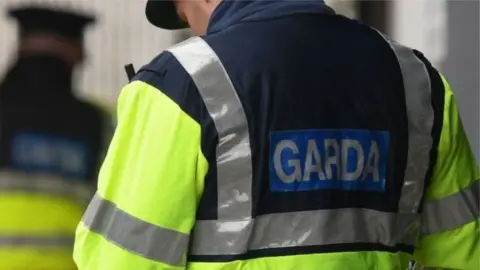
(230, 12)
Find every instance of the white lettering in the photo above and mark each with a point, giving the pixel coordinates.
(294, 162)
(347, 157)
(332, 160)
(373, 163)
(313, 162)
(347, 145)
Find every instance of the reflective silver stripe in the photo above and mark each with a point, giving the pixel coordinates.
(37, 241)
(233, 153)
(296, 229)
(417, 86)
(450, 213)
(135, 235)
(11, 181)
(234, 164)
(453, 211)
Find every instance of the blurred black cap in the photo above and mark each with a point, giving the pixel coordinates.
(38, 19)
(162, 14)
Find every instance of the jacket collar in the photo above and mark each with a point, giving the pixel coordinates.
(230, 12)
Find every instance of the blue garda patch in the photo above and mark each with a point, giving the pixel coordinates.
(304, 160)
(47, 153)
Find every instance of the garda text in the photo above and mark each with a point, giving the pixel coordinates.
(304, 160)
(47, 153)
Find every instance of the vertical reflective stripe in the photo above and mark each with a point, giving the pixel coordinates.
(234, 164)
(233, 153)
(417, 86)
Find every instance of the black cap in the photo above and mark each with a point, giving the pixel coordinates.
(162, 13)
(38, 19)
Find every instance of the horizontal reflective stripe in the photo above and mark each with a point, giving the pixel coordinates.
(308, 228)
(45, 184)
(134, 235)
(37, 241)
(453, 211)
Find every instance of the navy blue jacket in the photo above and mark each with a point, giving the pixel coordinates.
(39, 112)
(298, 66)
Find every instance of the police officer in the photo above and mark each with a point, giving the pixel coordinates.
(285, 137)
(50, 142)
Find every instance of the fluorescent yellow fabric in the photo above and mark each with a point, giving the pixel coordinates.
(334, 261)
(37, 215)
(33, 259)
(455, 170)
(33, 213)
(154, 171)
(94, 252)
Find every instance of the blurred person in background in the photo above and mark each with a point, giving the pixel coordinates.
(285, 137)
(51, 143)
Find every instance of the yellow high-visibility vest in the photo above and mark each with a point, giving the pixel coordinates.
(143, 215)
(39, 217)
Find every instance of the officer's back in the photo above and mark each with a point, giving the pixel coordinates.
(51, 142)
(37, 99)
(327, 122)
(287, 137)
